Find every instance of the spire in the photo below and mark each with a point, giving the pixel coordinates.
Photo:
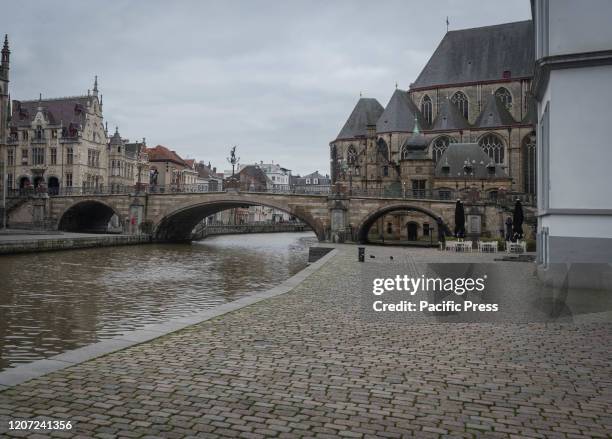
(4, 66)
(5, 50)
(95, 87)
(416, 130)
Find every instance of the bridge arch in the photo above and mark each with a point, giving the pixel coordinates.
(88, 215)
(178, 224)
(364, 226)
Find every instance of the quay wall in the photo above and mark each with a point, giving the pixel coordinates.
(69, 243)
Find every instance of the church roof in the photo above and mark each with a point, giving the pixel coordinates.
(69, 110)
(453, 160)
(399, 115)
(480, 54)
(494, 114)
(449, 117)
(417, 141)
(366, 112)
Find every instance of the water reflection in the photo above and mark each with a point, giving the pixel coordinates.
(57, 301)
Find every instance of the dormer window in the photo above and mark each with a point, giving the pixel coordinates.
(39, 132)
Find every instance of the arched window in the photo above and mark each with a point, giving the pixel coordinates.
(351, 156)
(382, 149)
(504, 95)
(529, 163)
(439, 145)
(493, 146)
(426, 108)
(405, 152)
(461, 101)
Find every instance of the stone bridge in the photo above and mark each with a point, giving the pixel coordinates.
(173, 216)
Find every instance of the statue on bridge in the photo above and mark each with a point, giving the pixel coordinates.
(233, 160)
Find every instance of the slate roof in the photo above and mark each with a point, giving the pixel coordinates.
(133, 149)
(417, 141)
(162, 154)
(455, 157)
(494, 114)
(399, 115)
(366, 112)
(69, 110)
(449, 117)
(116, 138)
(480, 54)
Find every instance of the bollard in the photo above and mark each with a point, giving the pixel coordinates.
(361, 253)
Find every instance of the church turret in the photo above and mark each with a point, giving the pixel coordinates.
(95, 87)
(6, 54)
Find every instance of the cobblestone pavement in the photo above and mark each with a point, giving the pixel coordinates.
(306, 365)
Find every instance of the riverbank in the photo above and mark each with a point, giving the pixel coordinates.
(307, 363)
(25, 242)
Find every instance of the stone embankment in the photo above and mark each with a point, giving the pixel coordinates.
(28, 243)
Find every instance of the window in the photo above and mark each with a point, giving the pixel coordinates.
(529, 164)
(54, 156)
(461, 101)
(69, 157)
(439, 146)
(39, 132)
(25, 135)
(445, 194)
(54, 134)
(389, 228)
(69, 179)
(504, 96)
(418, 188)
(382, 149)
(315, 181)
(351, 156)
(9, 181)
(308, 181)
(10, 156)
(425, 229)
(493, 146)
(24, 156)
(426, 108)
(385, 171)
(38, 156)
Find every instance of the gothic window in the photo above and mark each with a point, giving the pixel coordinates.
(405, 152)
(529, 164)
(39, 132)
(461, 101)
(504, 96)
(382, 149)
(426, 108)
(439, 145)
(493, 146)
(351, 156)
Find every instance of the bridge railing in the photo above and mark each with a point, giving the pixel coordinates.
(502, 198)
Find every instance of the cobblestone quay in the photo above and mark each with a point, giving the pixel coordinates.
(305, 364)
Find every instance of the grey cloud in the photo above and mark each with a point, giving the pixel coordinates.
(277, 78)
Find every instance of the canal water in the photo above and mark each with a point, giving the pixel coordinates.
(56, 301)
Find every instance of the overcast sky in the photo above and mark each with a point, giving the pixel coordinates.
(277, 78)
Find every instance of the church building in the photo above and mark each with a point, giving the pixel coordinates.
(473, 90)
